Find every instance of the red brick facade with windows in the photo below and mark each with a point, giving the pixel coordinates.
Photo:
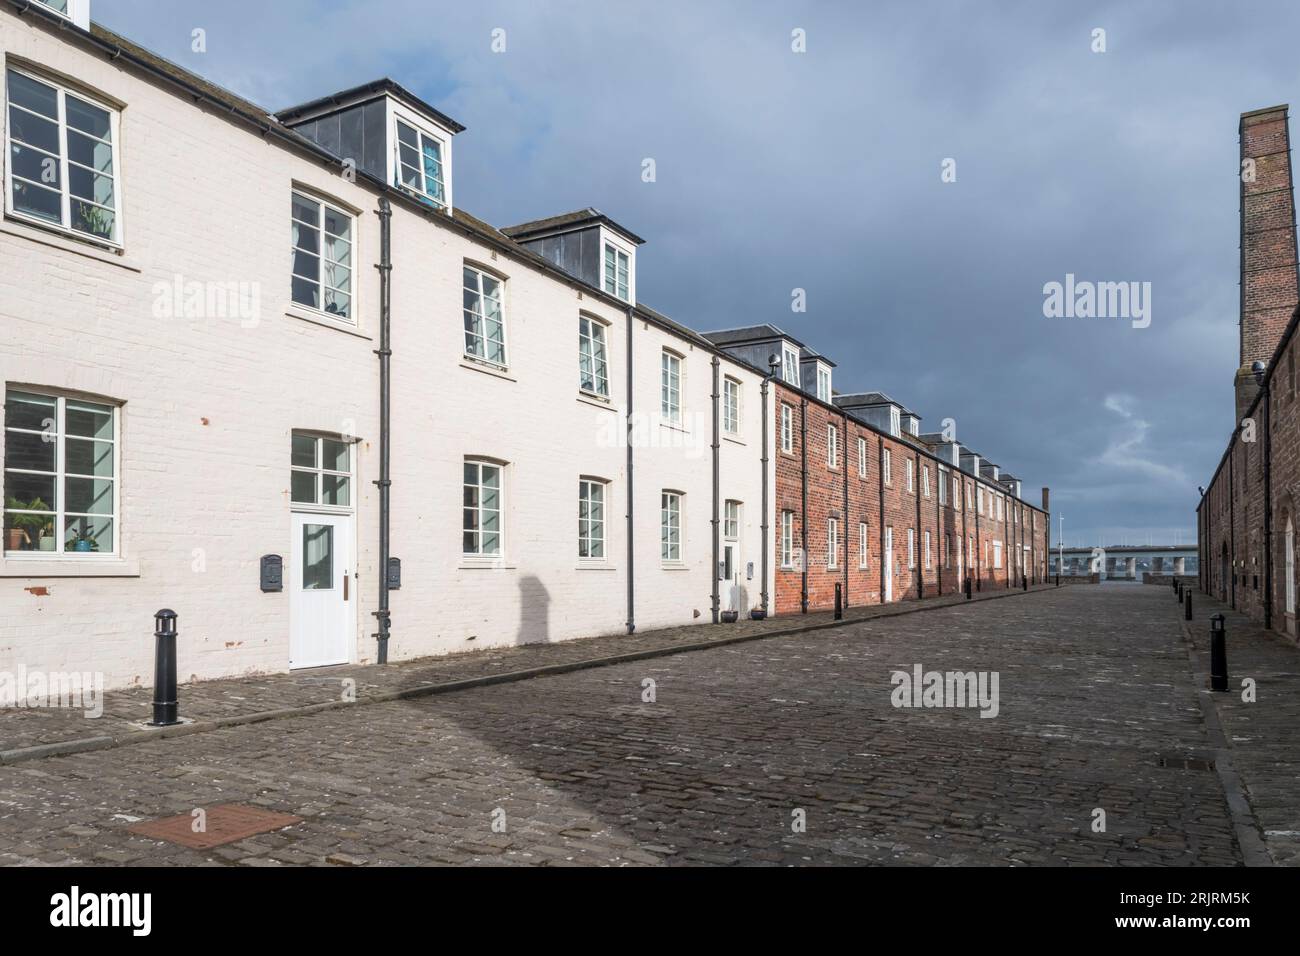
(1246, 520)
(881, 504)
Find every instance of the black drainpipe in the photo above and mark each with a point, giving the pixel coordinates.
(920, 535)
(385, 353)
(631, 508)
(938, 524)
(764, 389)
(965, 543)
(979, 545)
(716, 486)
(844, 462)
(880, 480)
(1268, 511)
(1232, 524)
(803, 516)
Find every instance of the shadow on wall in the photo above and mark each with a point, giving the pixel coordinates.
(534, 611)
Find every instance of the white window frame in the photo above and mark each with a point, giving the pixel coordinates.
(400, 114)
(926, 539)
(862, 458)
(596, 333)
(790, 365)
(78, 12)
(64, 225)
(911, 548)
(886, 468)
(590, 486)
(670, 507)
(732, 511)
(911, 476)
(620, 252)
(502, 288)
(997, 554)
(832, 543)
(823, 384)
(895, 421)
(947, 550)
(731, 406)
(60, 474)
(832, 447)
(862, 545)
(787, 539)
(671, 373)
(787, 428)
(925, 480)
(319, 472)
(321, 285)
(943, 485)
(500, 467)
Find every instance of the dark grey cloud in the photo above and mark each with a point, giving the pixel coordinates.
(821, 171)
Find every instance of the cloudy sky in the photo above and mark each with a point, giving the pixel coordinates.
(821, 170)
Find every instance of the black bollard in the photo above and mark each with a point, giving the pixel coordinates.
(1218, 654)
(1180, 594)
(1024, 582)
(1187, 607)
(164, 669)
(839, 602)
(1058, 579)
(968, 587)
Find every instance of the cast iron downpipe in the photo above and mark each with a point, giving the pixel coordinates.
(916, 544)
(880, 481)
(803, 514)
(1232, 523)
(764, 388)
(716, 486)
(1268, 509)
(385, 353)
(979, 545)
(938, 524)
(965, 538)
(631, 508)
(844, 460)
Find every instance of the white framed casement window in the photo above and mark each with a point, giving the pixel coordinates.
(617, 272)
(832, 447)
(911, 547)
(787, 429)
(968, 496)
(591, 519)
(862, 545)
(78, 11)
(731, 521)
(832, 543)
(947, 551)
(670, 387)
(862, 458)
(322, 236)
(787, 539)
(927, 550)
(895, 421)
(979, 500)
(420, 161)
(320, 472)
(943, 485)
(593, 357)
(997, 554)
(823, 384)
(485, 322)
(886, 472)
(483, 508)
(670, 527)
(731, 406)
(1001, 512)
(911, 475)
(789, 366)
(61, 461)
(63, 159)
(925, 480)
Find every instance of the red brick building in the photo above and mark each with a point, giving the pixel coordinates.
(1247, 514)
(863, 499)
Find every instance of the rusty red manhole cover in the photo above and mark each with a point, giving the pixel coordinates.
(221, 824)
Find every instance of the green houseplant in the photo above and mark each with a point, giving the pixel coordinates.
(23, 528)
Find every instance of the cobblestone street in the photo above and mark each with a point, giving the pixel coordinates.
(1097, 695)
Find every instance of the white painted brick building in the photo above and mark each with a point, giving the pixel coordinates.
(167, 448)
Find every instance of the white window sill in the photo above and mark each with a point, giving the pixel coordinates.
(596, 400)
(320, 318)
(673, 566)
(471, 563)
(594, 566)
(58, 238)
(69, 567)
(475, 365)
(674, 426)
(733, 438)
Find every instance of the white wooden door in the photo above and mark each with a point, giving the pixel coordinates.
(320, 590)
(889, 564)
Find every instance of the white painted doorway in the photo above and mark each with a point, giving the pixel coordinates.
(320, 589)
(889, 564)
(1290, 566)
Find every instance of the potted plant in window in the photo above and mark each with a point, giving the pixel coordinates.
(25, 528)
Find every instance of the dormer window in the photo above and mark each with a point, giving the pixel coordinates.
(895, 420)
(617, 272)
(420, 163)
(823, 384)
(790, 366)
(78, 11)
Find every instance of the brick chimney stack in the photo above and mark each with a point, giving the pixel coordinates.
(1047, 495)
(1268, 243)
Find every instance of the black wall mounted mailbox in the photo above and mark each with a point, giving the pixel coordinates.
(394, 574)
(272, 572)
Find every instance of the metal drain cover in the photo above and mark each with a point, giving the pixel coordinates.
(224, 823)
(1176, 762)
